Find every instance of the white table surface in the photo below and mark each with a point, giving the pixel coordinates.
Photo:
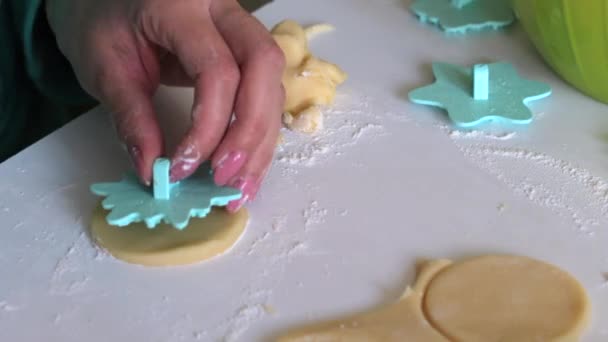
(343, 215)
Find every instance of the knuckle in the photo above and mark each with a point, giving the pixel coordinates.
(270, 53)
(145, 16)
(227, 70)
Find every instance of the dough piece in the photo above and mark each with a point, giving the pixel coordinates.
(507, 298)
(166, 246)
(308, 81)
(308, 121)
(315, 30)
(398, 322)
(489, 298)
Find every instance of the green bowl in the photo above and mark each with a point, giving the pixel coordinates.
(572, 36)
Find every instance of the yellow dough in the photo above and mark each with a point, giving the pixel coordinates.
(490, 298)
(309, 82)
(166, 246)
(506, 298)
(401, 321)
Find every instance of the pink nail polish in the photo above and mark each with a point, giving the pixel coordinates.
(249, 186)
(185, 164)
(228, 166)
(180, 170)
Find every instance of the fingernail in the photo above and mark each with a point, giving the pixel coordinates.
(137, 161)
(228, 166)
(249, 187)
(180, 170)
(184, 164)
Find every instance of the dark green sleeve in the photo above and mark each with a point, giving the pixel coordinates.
(38, 89)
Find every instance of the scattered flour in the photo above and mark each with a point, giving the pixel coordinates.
(69, 276)
(346, 123)
(456, 134)
(547, 181)
(297, 248)
(278, 223)
(352, 120)
(242, 320)
(259, 240)
(490, 133)
(314, 214)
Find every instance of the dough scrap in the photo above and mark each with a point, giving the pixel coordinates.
(489, 298)
(315, 30)
(164, 245)
(308, 121)
(400, 321)
(309, 82)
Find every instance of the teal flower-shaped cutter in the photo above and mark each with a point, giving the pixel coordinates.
(486, 92)
(461, 16)
(173, 203)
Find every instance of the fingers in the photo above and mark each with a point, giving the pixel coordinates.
(252, 174)
(114, 71)
(137, 127)
(248, 146)
(190, 35)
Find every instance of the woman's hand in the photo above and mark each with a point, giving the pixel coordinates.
(122, 50)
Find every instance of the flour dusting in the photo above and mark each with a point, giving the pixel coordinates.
(69, 276)
(489, 133)
(314, 214)
(350, 120)
(242, 320)
(547, 181)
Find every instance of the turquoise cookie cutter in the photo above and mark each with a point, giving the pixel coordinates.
(461, 16)
(173, 203)
(486, 92)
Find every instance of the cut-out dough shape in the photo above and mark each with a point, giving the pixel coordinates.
(495, 298)
(173, 203)
(309, 82)
(461, 16)
(506, 298)
(472, 96)
(205, 238)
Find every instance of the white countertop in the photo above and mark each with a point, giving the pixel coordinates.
(343, 216)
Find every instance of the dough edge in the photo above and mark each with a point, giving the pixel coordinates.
(222, 240)
(427, 270)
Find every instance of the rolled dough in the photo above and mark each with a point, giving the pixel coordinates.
(398, 322)
(507, 299)
(490, 298)
(166, 246)
(309, 82)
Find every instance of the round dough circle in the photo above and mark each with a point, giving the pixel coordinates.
(166, 246)
(506, 298)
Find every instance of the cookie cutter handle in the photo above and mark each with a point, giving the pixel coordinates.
(481, 82)
(160, 176)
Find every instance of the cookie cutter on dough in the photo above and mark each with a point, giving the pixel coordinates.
(172, 203)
